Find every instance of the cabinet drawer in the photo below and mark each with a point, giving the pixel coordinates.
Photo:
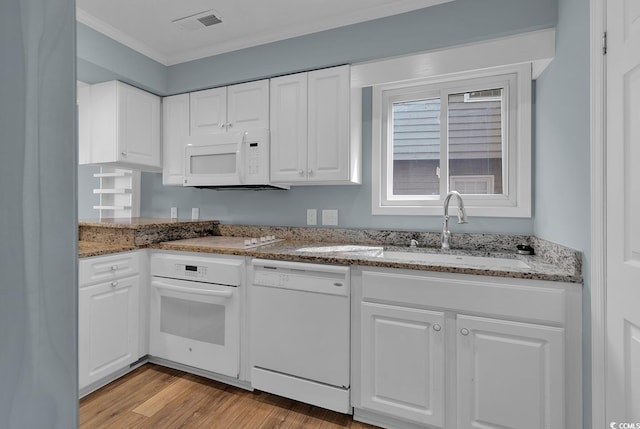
(517, 299)
(104, 268)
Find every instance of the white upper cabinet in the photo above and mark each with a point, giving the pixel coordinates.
(211, 111)
(208, 111)
(248, 105)
(311, 118)
(328, 132)
(124, 127)
(236, 107)
(175, 131)
(289, 128)
(84, 122)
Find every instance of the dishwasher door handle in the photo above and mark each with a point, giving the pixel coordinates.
(207, 292)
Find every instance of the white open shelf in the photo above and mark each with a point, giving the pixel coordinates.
(119, 193)
(112, 191)
(121, 173)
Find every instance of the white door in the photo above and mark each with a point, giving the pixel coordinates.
(138, 126)
(208, 111)
(623, 213)
(175, 131)
(510, 374)
(329, 125)
(402, 362)
(289, 128)
(248, 106)
(107, 328)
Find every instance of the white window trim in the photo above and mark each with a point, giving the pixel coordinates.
(518, 183)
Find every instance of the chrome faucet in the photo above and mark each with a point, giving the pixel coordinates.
(462, 217)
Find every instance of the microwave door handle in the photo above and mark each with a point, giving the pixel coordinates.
(240, 159)
(219, 293)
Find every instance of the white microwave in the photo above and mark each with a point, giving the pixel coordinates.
(232, 160)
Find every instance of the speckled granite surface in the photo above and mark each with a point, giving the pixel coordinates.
(93, 248)
(327, 245)
(103, 236)
(331, 253)
(551, 262)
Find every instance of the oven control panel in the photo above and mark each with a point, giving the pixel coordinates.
(191, 271)
(205, 269)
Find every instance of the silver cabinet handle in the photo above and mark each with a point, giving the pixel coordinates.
(301, 172)
(124, 154)
(310, 172)
(464, 331)
(229, 125)
(114, 268)
(437, 327)
(114, 284)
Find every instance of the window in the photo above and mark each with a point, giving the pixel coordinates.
(470, 133)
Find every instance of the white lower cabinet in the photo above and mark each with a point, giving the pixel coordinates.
(403, 362)
(108, 319)
(510, 374)
(458, 351)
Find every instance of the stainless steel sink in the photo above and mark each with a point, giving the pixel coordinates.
(435, 258)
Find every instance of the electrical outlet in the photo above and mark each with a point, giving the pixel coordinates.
(330, 217)
(195, 213)
(312, 217)
(174, 212)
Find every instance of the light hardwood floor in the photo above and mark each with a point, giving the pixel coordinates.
(161, 398)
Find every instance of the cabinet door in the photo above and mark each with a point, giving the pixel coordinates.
(289, 128)
(208, 110)
(248, 106)
(402, 362)
(510, 374)
(138, 127)
(84, 123)
(175, 131)
(329, 124)
(107, 328)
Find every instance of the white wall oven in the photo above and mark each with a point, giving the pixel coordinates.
(195, 311)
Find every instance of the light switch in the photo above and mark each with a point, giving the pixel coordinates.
(312, 217)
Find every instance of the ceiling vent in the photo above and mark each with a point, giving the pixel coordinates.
(197, 21)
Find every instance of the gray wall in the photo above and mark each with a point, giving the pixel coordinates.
(38, 226)
(562, 163)
(452, 23)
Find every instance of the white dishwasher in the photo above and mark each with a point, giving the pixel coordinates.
(300, 328)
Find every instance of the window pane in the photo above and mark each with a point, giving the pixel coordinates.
(475, 142)
(416, 147)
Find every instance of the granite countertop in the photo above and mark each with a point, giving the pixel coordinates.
(140, 222)
(552, 262)
(87, 249)
(370, 255)
(104, 236)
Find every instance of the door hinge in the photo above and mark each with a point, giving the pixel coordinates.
(604, 43)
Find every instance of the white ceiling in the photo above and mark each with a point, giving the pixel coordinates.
(146, 25)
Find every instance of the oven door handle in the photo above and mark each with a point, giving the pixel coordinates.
(219, 293)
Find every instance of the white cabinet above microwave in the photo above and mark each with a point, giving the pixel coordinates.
(214, 111)
(231, 108)
(120, 126)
